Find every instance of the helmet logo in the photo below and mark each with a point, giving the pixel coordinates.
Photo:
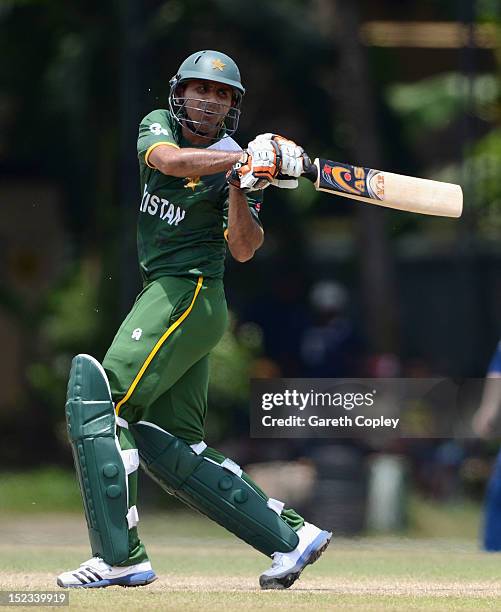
(217, 64)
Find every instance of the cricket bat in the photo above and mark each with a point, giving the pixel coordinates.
(385, 188)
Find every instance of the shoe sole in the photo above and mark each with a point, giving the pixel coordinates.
(134, 580)
(312, 553)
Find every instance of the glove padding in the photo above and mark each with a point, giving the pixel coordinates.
(262, 165)
(292, 156)
(271, 160)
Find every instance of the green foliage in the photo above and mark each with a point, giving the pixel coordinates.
(432, 105)
(69, 325)
(434, 102)
(230, 369)
(488, 10)
(482, 168)
(73, 309)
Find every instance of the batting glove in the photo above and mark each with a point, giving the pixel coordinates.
(260, 164)
(292, 165)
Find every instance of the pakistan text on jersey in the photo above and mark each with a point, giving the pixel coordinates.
(154, 205)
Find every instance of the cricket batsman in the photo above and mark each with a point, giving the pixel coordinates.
(200, 193)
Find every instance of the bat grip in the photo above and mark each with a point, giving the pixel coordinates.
(310, 170)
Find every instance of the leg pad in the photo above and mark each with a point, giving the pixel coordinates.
(218, 491)
(90, 417)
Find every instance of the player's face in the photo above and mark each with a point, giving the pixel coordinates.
(207, 103)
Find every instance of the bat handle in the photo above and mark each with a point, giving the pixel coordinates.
(310, 170)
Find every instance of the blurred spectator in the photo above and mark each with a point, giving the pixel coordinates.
(330, 347)
(282, 315)
(446, 475)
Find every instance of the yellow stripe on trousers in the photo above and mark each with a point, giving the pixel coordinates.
(158, 346)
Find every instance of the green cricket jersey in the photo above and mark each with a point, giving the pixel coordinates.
(181, 221)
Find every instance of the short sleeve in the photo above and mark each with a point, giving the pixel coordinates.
(254, 200)
(155, 129)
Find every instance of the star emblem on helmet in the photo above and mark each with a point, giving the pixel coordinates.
(217, 64)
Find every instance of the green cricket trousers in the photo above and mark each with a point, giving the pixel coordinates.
(158, 368)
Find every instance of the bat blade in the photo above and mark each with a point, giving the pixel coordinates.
(387, 189)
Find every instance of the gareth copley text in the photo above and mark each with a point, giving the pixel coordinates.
(339, 422)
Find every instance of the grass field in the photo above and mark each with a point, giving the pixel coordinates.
(201, 567)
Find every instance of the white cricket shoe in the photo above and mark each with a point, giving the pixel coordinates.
(96, 573)
(287, 567)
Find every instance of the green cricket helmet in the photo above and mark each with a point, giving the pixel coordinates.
(206, 66)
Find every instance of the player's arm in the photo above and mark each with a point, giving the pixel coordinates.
(244, 234)
(191, 162)
(173, 161)
(263, 161)
(158, 148)
(487, 416)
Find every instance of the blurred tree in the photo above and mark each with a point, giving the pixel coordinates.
(349, 84)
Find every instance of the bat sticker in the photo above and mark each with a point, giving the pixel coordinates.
(353, 179)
